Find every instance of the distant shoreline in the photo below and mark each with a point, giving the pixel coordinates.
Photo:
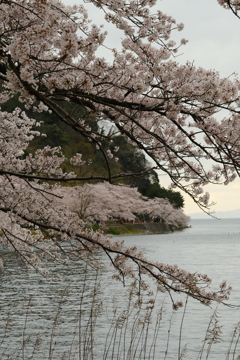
(232, 214)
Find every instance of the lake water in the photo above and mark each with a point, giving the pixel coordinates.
(61, 320)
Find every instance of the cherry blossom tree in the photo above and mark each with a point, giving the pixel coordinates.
(104, 202)
(48, 57)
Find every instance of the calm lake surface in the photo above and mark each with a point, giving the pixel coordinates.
(48, 320)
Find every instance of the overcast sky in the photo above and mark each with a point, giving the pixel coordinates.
(214, 43)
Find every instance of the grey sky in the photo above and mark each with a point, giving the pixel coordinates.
(212, 31)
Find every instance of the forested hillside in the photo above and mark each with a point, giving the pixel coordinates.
(122, 156)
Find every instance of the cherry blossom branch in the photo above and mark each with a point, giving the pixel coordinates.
(233, 5)
(66, 177)
(169, 278)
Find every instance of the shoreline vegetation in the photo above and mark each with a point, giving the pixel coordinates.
(143, 228)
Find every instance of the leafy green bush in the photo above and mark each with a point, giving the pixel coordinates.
(113, 231)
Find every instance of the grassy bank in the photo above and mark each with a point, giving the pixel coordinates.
(140, 228)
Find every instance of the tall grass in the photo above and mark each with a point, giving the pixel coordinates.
(103, 331)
